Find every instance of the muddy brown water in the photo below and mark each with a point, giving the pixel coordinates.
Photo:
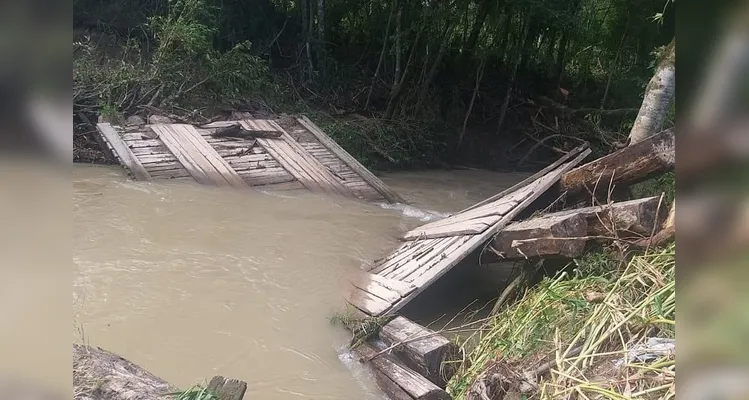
(190, 281)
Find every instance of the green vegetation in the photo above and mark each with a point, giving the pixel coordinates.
(197, 392)
(362, 328)
(586, 320)
(400, 83)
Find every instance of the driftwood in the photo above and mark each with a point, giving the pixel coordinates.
(237, 131)
(623, 168)
(567, 233)
(434, 357)
(397, 380)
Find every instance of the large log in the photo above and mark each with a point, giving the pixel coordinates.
(623, 168)
(433, 356)
(567, 233)
(396, 379)
(101, 375)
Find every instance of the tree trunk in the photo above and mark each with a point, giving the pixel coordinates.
(479, 76)
(304, 15)
(432, 73)
(310, 31)
(382, 55)
(632, 164)
(398, 47)
(478, 24)
(321, 22)
(659, 95)
(614, 66)
(398, 90)
(511, 83)
(561, 52)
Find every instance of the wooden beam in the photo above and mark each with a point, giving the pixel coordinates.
(632, 164)
(350, 161)
(409, 382)
(227, 389)
(550, 235)
(566, 233)
(126, 157)
(434, 356)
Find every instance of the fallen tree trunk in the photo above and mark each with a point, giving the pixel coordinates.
(567, 233)
(623, 168)
(101, 375)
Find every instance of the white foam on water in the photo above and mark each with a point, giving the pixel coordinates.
(415, 212)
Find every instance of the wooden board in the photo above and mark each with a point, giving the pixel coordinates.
(349, 160)
(197, 156)
(122, 152)
(420, 262)
(303, 166)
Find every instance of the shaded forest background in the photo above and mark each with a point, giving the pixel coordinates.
(502, 84)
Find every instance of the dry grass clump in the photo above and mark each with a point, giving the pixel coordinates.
(603, 335)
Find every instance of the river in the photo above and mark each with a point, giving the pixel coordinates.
(190, 281)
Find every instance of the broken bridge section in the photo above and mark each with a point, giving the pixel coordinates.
(430, 251)
(299, 156)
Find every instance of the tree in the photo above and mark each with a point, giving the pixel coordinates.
(659, 95)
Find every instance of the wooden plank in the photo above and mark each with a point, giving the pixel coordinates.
(416, 269)
(415, 385)
(541, 185)
(551, 167)
(191, 160)
(459, 222)
(390, 388)
(363, 279)
(284, 186)
(426, 251)
(404, 253)
(123, 153)
(469, 227)
(220, 165)
(365, 301)
(318, 168)
(302, 165)
(349, 160)
(433, 356)
(227, 389)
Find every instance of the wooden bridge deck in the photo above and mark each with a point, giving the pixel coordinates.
(430, 251)
(302, 157)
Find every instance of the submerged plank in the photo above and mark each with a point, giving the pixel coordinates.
(123, 153)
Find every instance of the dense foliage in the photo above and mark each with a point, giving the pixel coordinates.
(471, 75)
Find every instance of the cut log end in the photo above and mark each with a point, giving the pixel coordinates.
(227, 389)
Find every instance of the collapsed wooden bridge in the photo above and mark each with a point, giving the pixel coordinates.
(431, 250)
(266, 155)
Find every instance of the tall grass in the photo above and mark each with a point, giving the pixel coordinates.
(580, 325)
